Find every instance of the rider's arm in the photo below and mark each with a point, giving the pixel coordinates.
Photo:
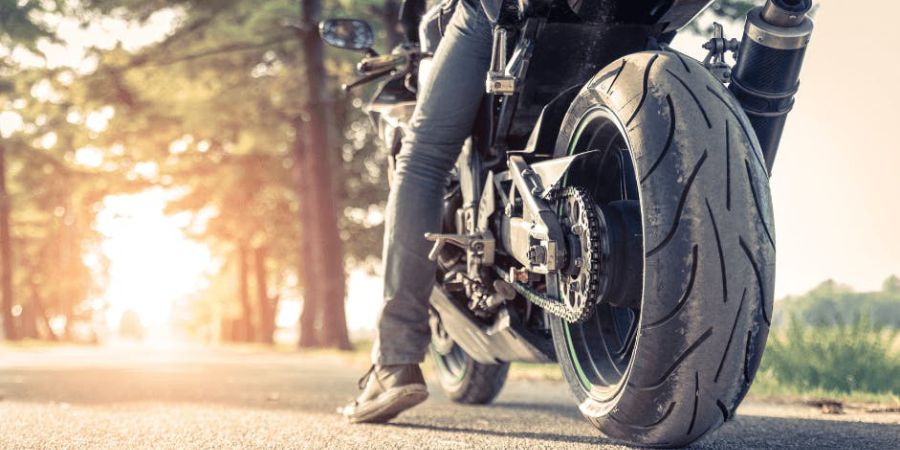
(410, 14)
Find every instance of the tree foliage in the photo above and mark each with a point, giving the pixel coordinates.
(19, 25)
(49, 201)
(833, 304)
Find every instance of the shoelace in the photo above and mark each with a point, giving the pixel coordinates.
(365, 378)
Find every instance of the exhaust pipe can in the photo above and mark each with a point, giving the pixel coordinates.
(767, 74)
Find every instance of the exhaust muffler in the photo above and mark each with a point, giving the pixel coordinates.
(767, 74)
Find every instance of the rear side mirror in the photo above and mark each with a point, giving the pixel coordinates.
(350, 34)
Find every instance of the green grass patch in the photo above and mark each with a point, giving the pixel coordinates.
(767, 388)
(535, 372)
(845, 358)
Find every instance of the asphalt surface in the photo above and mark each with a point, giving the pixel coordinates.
(140, 397)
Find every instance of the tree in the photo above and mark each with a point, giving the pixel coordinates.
(267, 304)
(256, 143)
(325, 281)
(832, 304)
(891, 285)
(6, 271)
(55, 199)
(17, 28)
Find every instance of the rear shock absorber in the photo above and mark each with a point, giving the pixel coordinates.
(767, 74)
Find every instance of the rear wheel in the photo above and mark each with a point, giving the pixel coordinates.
(671, 364)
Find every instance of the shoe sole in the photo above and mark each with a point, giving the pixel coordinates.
(390, 404)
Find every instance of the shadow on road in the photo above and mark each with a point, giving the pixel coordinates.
(768, 432)
(548, 437)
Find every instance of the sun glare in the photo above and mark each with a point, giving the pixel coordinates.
(152, 263)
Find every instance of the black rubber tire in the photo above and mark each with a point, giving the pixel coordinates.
(709, 249)
(479, 385)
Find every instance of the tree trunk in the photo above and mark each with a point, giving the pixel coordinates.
(38, 302)
(6, 261)
(246, 321)
(308, 316)
(27, 323)
(326, 290)
(69, 255)
(265, 307)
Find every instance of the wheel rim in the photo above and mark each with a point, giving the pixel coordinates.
(601, 348)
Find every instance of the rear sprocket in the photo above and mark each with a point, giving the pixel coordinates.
(583, 278)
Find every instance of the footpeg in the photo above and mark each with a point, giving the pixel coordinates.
(440, 240)
(481, 246)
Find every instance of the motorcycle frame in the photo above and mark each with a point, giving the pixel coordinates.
(518, 124)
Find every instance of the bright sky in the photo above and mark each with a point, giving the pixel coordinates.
(835, 185)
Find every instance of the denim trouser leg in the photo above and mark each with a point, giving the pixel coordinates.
(443, 119)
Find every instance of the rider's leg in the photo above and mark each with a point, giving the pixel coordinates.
(442, 121)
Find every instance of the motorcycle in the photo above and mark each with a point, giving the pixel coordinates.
(611, 211)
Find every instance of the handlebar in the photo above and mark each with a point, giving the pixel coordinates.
(365, 79)
(381, 63)
(375, 67)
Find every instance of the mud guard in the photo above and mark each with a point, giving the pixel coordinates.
(553, 172)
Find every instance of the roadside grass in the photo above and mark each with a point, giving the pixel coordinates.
(849, 360)
(767, 388)
(535, 372)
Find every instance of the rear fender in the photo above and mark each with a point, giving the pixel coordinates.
(552, 173)
(543, 138)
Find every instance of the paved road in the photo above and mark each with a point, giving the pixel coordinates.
(136, 397)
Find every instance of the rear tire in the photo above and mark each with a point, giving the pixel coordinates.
(691, 351)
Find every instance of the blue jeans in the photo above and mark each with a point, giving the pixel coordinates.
(444, 117)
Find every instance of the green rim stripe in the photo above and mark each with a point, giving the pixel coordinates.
(581, 375)
(439, 360)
